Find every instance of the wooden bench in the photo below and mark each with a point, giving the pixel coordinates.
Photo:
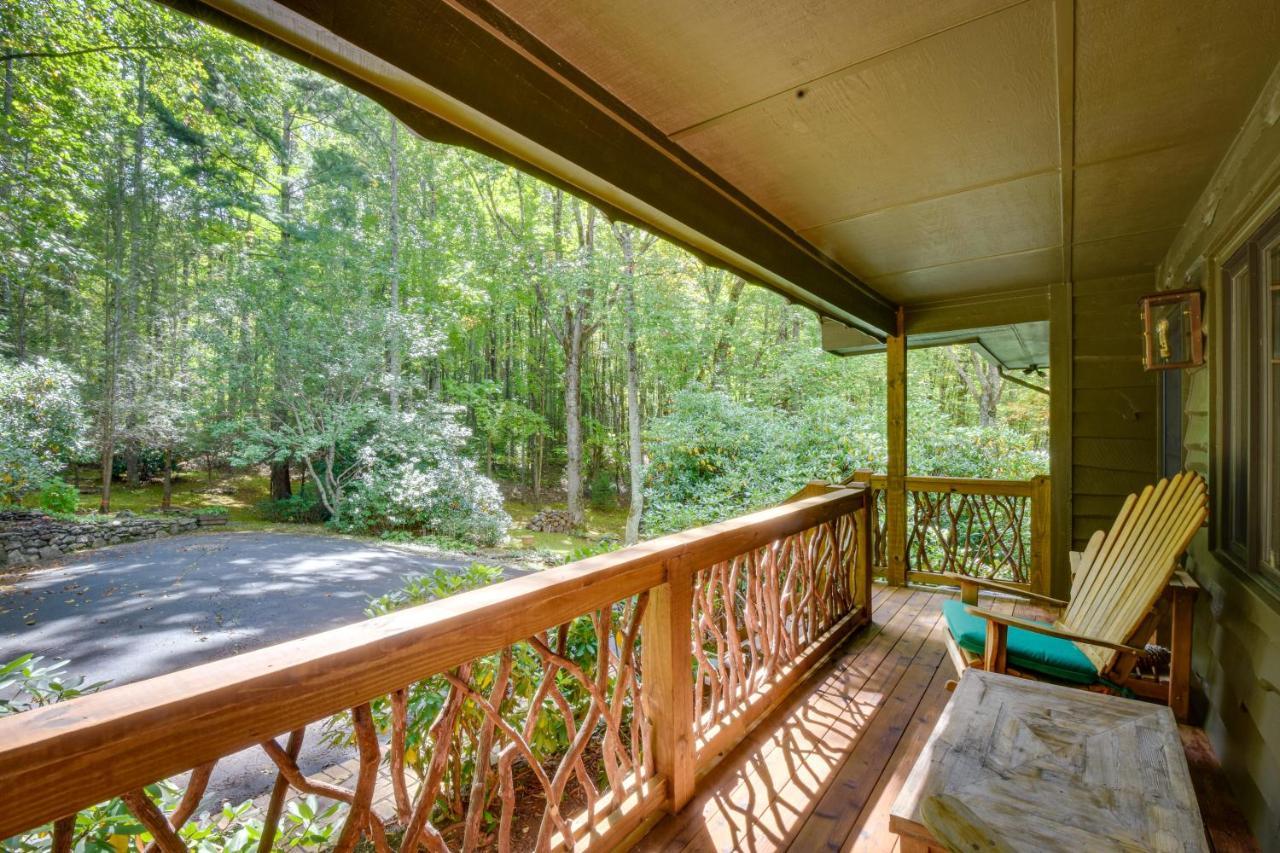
(1026, 765)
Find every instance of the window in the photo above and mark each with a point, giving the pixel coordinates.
(1248, 454)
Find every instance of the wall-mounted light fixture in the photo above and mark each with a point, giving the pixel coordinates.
(1171, 332)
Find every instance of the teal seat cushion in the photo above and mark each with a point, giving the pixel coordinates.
(1027, 650)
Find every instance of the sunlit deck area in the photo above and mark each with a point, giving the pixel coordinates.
(822, 771)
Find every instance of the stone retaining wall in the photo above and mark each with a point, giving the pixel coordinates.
(28, 536)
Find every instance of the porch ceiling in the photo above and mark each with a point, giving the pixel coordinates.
(1012, 346)
(852, 154)
(922, 145)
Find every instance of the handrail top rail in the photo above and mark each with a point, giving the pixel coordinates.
(964, 485)
(60, 758)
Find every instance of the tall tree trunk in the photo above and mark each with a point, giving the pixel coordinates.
(107, 449)
(573, 418)
(111, 328)
(132, 468)
(981, 379)
(635, 450)
(166, 498)
(6, 107)
(393, 339)
(729, 319)
(137, 197)
(281, 488)
(281, 483)
(537, 471)
(578, 333)
(15, 295)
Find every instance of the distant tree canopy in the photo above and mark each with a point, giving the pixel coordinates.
(240, 259)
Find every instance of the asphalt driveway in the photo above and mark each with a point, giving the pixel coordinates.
(142, 609)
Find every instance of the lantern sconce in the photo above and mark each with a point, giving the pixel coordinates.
(1171, 333)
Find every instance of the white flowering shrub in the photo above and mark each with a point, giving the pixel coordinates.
(381, 453)
(40, 424)
(415, 476)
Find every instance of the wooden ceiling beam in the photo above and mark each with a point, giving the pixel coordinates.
(1065, 33)
(473, 77)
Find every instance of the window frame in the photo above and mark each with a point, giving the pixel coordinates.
(1244, 362)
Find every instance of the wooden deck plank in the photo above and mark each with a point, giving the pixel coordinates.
(892, 614)
(871, 829)
(794, 777)
(834, 815)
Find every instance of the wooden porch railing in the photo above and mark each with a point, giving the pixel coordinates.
(695, 636)
(981, 528)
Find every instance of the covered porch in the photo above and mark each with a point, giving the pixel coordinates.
(1012, 175)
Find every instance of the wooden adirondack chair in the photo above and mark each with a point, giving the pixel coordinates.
(1123, 585)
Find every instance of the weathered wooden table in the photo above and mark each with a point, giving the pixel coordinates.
(1044, 767)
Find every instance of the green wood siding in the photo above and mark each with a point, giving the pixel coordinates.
(1236, 642)
(1236, 664)
(1114, 416)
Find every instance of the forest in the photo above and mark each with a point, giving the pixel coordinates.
(213, 260)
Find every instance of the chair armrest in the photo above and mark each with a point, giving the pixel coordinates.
(1051, 630)
(982, 583)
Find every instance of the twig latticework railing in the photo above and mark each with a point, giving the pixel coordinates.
(757, 612)
(996, 529)
(971, 534)
(646, 663)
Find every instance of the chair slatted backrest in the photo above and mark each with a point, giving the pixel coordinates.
(1123, 572)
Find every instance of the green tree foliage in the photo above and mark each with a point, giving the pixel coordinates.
(714, 457)
(245, 261)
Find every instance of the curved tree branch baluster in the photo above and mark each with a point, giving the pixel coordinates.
(756, 613)
(980, 535)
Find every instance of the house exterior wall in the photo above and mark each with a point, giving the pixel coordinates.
(1103, 410)
(1114, 402)
(1236, 655)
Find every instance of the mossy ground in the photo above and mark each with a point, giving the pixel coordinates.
(600, 523)
(239, 494)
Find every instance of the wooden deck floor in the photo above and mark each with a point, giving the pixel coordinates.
(822, 771)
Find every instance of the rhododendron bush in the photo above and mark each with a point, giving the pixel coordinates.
(414, 476)
(41, 424)
(381, 452)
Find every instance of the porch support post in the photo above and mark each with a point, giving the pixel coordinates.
(1041, 535)
(667, 658)
(1061, 358)
(896, 486)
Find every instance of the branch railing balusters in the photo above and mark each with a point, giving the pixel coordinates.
(745, 607)
(982, 528)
